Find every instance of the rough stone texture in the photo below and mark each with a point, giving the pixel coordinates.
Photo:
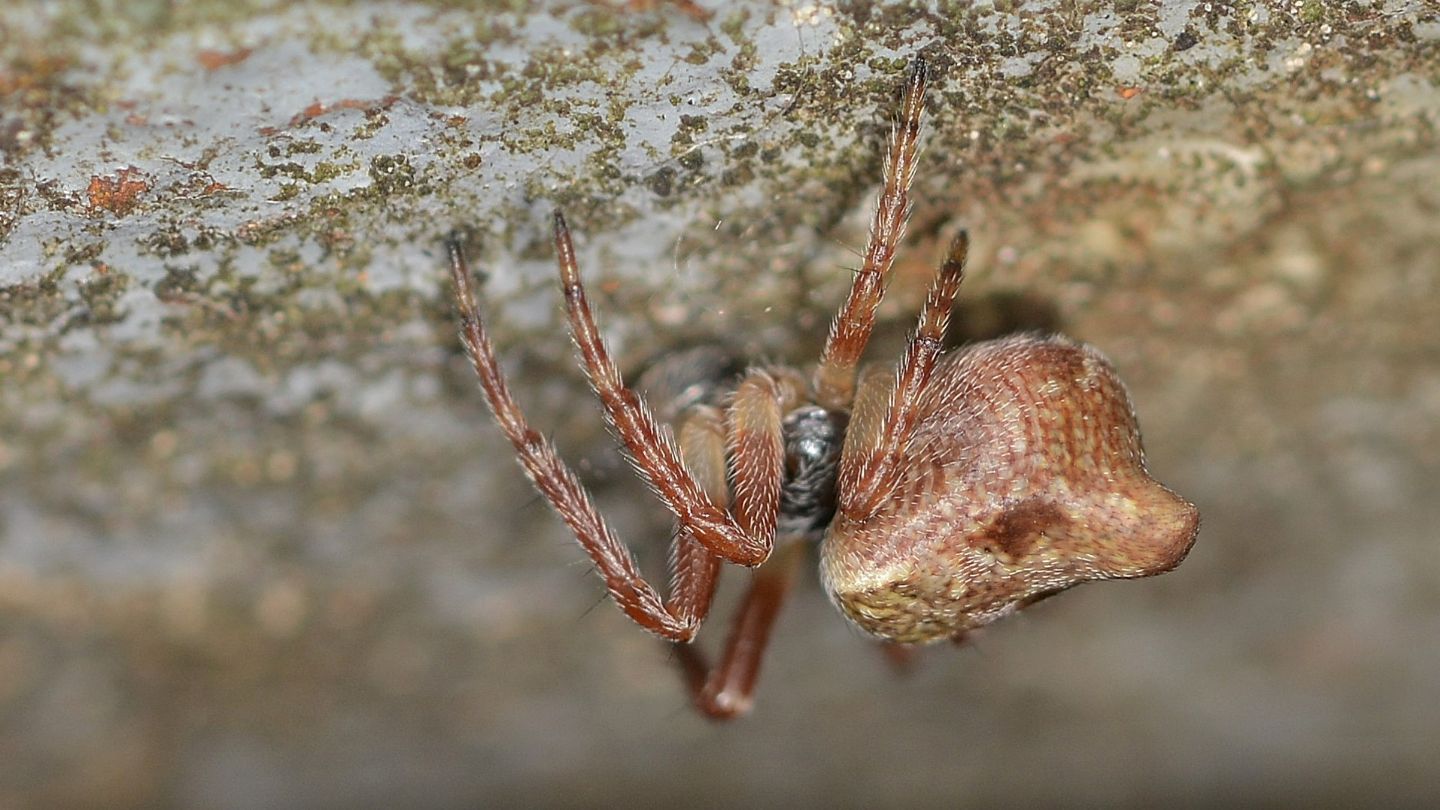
(259, 545)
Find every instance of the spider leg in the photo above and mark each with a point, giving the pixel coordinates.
(727, 689)
(867, 413)
(868, 476)
(693, 569)
(756, 448)
(651, 444)
(850, 331)
(693, 574)
(756, 453)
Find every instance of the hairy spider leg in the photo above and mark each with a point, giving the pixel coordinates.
(868, 476)
(693, 581)
(850, 331)
(872, 396)
(727, 689)
(756, 457)
(693, 569)
(651, 444)
(744, 447)
(756, 448)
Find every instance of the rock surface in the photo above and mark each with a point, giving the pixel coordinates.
(261, 547)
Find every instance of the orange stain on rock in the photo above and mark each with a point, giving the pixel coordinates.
(119, 194)
(319, 108)
(214, 60)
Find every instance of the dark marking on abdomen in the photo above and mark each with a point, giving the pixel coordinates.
(1017, 531)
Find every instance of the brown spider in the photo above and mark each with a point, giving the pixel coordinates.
(951, 491)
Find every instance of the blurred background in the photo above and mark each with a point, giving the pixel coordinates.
(260, 545)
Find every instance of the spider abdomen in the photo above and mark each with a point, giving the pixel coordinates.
(1024, 476)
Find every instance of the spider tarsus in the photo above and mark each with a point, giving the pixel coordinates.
(959, 248)
(952, 271)
(919, 70)
(460, 273)
(565, 257)
(460, 277)
(915, 94)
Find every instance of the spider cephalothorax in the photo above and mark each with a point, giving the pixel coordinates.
(951, 490)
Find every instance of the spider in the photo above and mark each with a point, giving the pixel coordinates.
(946, 492)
